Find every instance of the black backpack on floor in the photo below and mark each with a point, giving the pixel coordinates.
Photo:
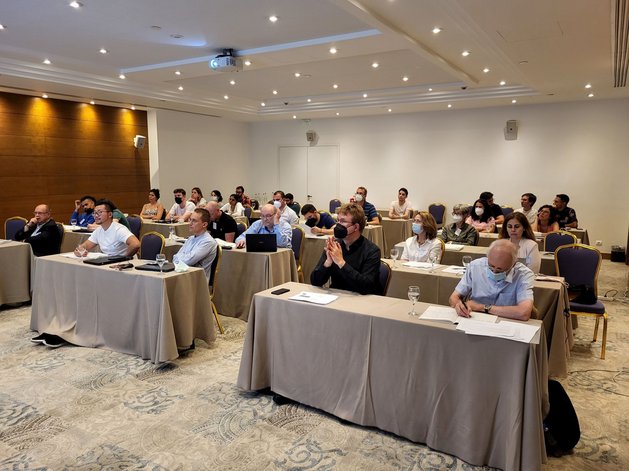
(561, 425)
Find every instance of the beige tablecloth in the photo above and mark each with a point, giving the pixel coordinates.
(313, 249)
(15, 272)
(394, 231)
(551, 299)
(72, 239)
(454, 257)
(363, 359)
(242, 274)
(375, 235)
(131, 311)
(182, 229)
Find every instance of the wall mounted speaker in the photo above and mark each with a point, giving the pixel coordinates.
(311, 136)
(511, 130)
(139, 141)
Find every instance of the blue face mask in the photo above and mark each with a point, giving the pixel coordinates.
(496, 276)
(417, 228)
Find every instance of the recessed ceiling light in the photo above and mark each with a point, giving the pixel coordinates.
(262, 104)
(436, 30)
(122, 76)
(297, 74)
(389, 110)
(590, 95)
(44, 96)
(177, 72)
(247, 63)
(365, 95)
(274, 92)
(405, 78)
(430, 89)
(294, 116)
(588, 85)
(273, 18)
(180, 88)
(309, 100)
(176, 36)
(76, 4)
(514, 101)
(449, 105)
(132, 108)
(232, 82)
(226, 97)
(502, 82)
(465, 53)
(92, 102)
(485, 70)
(338, 114)
(102, 50)
(2, 27)
(47, 61)
(335, 86)
(333, 50)
(375, 65)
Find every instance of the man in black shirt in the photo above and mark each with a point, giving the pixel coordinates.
(496, 210)
(41, 232)
(566, 217)
(222, 225)
(350, 260)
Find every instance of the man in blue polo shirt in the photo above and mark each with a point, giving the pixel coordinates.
(370, 210)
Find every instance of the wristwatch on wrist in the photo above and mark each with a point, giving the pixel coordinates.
(487, 308)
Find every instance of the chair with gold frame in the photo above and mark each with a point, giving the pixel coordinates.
(557, 239)
(298, 245)
(212, 286)
(12, 225)
(151, 244)
(438, 211)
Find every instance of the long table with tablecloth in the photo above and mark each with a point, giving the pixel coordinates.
(15, 271)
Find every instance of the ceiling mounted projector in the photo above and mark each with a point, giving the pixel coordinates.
(226, 62)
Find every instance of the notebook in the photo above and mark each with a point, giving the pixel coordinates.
(261, 242)
(153, 266)
(106, 260)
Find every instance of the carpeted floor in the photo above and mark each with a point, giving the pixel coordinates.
(84, 409)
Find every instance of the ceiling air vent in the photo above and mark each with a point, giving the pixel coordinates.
(620, 42)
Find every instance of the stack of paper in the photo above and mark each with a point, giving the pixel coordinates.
(314, 298)
(423, 265)
(90, 255)
(454, 269)
(455, 247)
(223, 243)
(518, 331)
(445, 313)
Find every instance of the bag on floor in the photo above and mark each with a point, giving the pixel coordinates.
(561, 425)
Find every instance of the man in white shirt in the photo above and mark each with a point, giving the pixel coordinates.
(402, 208)
(528, 200)
(182, 209)
(200, 248)
(113, 238)
(284, 213)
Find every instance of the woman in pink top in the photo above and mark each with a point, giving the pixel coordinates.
(480, 217)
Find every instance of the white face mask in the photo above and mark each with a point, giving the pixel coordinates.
(457, 217)
(213, 198)
(277, 204)
(358, 198)
(479, 211)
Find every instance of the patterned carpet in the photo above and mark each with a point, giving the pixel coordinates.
(84, 409)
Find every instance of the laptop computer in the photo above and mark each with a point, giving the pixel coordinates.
(153, 266)
(106, 260)
(261, 242)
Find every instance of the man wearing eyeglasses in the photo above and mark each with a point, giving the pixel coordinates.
(41, 232)
(268, 224)
(497, 284)
(84, 211)
(199, 249)
(113, 238)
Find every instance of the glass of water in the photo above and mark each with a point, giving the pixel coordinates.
(413, 296)
(74, 222)
(467, 259)
(395, 252)
(160, 258)
(171, 232)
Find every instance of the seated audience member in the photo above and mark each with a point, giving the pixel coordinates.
(517, 229)
(349, 259)
(222, 226)
(41, 232)
(196, 196)
(117, 215)
(528, 200)
(319, 222)
(481, 217)
(566, 217)
(292, 204)
(460, 232)
(269, 224)
(83, 211)
(401, 208)
(497, 284)
(546, 220)
(182, 209)
(233, 207)
(241, 197)
(153, 209)
(283, 211)
(495, 210)
(369, 209)
(424, 245)
(216, 196)
(199, 250)
(111, 237)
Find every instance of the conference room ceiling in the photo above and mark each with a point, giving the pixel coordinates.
(542, 51)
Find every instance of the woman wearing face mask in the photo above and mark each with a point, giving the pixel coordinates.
(233, 207)
(546, 220)
(153, 209)
(460, 232)
(517, 229)
(481, 217)
(196, 196)
(424, 245)
(216, 196)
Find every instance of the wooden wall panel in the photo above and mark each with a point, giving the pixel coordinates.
(54, 151)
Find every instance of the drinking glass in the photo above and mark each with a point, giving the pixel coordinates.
(160, 258)
(171, 232)
(434, 260)
(74, 222)
(394, 254)
(466, 260)
(413, 296)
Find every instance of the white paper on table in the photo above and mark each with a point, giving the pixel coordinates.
(418, 264)
(446, 313)
(307, 229)
(224, 243)
(518, 331)
(90, 255)
(454, 269)
(314, 298)
(455, 247)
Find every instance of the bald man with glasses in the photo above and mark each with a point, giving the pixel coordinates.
(41, 232)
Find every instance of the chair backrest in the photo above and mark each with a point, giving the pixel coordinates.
(437, 210)
(579, 265)
(62, 233)
(443, 248)
(248, 212)
(506, 210)
(135, 225)
(151, 244)
(12, 225)
(384, 277)
(297, 242)
(557, 239)
(215, 266)
(255, 204)
(335, 203)
(240, 228)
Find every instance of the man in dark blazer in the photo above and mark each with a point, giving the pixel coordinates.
(41, 232)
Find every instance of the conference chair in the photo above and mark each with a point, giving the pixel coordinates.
(443, 248)
(248, 211)
(240, 228)
(135, 224)
(298, 249)
(12, 225)
(438, 210)
(506, 210)
(62, 233)
(384, 276)
(255, 204)
(151, 244)
(557, 239)
(579, 265)
(334, 203)
(212, 286)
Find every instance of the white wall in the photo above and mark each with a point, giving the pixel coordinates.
(580, 148)
(188, 150)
